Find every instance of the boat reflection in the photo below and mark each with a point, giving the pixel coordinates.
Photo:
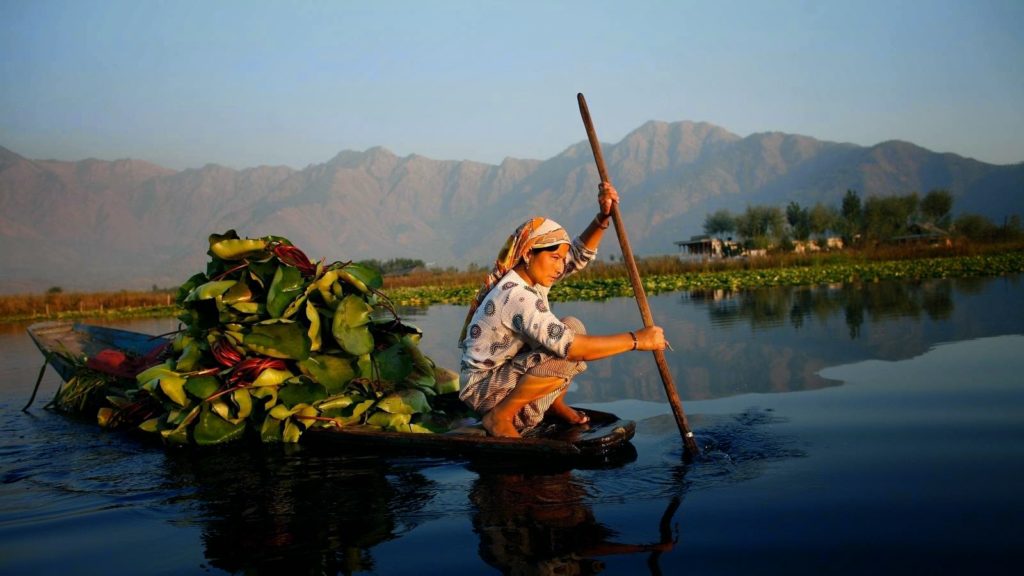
(542, 522)
(301, 511)
(295, 511)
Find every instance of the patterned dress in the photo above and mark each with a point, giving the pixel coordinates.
(514, 332)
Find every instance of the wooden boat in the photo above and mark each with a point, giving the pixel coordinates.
(604, 439)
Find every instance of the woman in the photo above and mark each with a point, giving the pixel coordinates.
(517, 357)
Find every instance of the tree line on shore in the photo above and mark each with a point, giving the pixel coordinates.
(877, 219)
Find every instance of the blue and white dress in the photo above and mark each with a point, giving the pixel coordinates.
(514, 332)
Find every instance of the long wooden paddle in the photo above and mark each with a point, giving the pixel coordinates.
(689, 441)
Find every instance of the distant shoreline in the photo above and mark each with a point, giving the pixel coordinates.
(600, 281)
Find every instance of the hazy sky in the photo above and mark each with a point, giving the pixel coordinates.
(183, 83)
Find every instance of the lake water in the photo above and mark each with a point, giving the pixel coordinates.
(850, 430)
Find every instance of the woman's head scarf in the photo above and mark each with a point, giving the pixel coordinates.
(535, 233)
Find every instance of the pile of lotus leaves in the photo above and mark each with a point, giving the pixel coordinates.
(275, 344)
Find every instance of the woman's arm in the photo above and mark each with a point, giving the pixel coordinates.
(588, 347)
(606, 197)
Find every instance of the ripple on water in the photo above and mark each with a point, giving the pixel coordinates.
(734, 448)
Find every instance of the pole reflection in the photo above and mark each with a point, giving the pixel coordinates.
(543, 522)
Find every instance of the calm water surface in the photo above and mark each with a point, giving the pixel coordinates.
(869, 429)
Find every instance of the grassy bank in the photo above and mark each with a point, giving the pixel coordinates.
(814, 271)
(601, 280)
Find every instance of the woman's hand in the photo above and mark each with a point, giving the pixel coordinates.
(607, 196)
(651, 338)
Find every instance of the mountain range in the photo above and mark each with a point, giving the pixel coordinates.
(130, 224)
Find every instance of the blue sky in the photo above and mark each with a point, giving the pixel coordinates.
(241, 84)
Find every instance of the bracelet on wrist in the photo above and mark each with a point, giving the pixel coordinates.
(635, 341)
(602, 223)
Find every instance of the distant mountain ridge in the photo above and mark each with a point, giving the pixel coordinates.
(130, 224)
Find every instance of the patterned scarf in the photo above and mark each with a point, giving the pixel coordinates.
(535, 233)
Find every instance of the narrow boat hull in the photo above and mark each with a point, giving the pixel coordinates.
(604, 437)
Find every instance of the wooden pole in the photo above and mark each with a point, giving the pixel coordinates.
(689, 442)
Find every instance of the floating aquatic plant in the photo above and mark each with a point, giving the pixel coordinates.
(272, 345)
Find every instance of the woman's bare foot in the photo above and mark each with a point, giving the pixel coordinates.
(500, 427)
(562, 410)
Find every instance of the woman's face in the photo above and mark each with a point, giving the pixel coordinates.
(546, 266)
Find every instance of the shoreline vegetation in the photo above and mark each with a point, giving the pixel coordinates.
(601, 280)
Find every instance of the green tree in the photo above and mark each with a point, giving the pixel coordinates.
(975, 227)
(886, 217)
(1011, 227)
(822, 218)
(852, 217)
(799, 220)
(394, 266)
(719, 223)
(761, 226)
(936, 207)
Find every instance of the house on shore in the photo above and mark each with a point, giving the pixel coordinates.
(707, 248)
(925, 233)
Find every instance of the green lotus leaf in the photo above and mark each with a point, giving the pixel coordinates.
(324, 285)
(174, 388)
(419, 429)
(238, 294)
(186, 288)
(395, 363)
(262, 273)
(287, 284)
(279, 340)
(237, 410)
(334, 405)
(350, 325)
(154, 372)
(314, 326)
(212, 429)
(227, 248)
(247, 307)
(295, 419)
(445, 381)
(171, 383)
(422, 375)
(364, 366)
(210, 290)
(152, 425)
(355, 413)
(190, 355)
(294, 307)
(181, 421)
(243, 401)
(266, 394)
(271, 377)
(404, 401)
(390, 421)
(271, 430)
(304, 391)
(292, 431)
(361, 277)
(180, 341)
(103, 416)
(221, 408)
(118, 401)
(280, 412)
(332, 372)
(202, 387)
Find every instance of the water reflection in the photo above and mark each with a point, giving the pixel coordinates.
(544, 523)
(773, 307)
(781, 339)
(293, 511)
